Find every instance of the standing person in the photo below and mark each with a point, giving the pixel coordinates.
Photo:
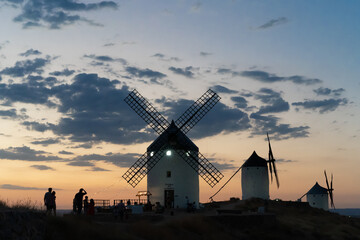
(91, 210)
(79, 200)
(47, 199)
(53, 203)
(86, 205)
(121, 209)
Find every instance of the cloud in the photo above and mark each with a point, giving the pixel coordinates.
(186, 72)
(281, 161)
(327, 105)
(329, 92)
(118, 159)
(66, 152)
(42, 167)
(104, 58)
(22, 68)
(145, 73)
(273, 100)
(30, 52)
(222, 89)
(65, 72)
(17, 187)
(240, 102)
(266, 77)
(12, 114)
(46, 142)
(162, 57)
(81, 164)
(196, 7)
(225, 71)
(274, 22)
(98, 169)
(222, 166)
(264, 124)
(205, 54)
(56, 14)
(94, 111)
(109, 44)
(26, 93)
(27, 154)
(36, 126)
(221, 119)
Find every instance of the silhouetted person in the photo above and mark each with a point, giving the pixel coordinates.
(79, 200)
(121, 207)
(86, 205)
(52, 203)
(91, 210)
(47, 199)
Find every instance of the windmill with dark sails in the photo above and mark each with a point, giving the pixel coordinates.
(318, 196)
(174, 160)
(255, 176)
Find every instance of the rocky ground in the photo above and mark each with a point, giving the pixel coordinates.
(219, 220)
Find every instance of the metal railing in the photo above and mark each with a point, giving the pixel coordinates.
(102, 203)
(132, 201)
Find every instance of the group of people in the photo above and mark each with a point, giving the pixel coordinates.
(50, 201)
(78, 203)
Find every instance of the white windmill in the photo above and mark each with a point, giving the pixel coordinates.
(255, 177)
(318, 196)
(174, 182)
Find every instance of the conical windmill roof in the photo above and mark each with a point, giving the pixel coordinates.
(317, 189)
(255, 161)
(174, 138)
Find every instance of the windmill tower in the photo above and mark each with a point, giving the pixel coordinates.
(174, 181)
(255, 177)
(318, 196)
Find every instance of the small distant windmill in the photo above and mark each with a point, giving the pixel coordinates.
(174, 182)
(255, 177)
(318, 196)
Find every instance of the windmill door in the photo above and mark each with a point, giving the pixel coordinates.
(169, 198)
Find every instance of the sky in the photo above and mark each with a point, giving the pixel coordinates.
(289, 68)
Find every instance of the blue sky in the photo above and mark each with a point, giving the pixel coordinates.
(289, 68)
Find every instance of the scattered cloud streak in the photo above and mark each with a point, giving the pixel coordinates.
(186, 72)
(27, 154)
(55, 14)
(42, 167)
(17, 187)
(25, 67)
(274, 22)
(30, 52)
(323, 106)
(329, 92)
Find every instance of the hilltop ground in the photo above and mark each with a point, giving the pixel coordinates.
(219, 220)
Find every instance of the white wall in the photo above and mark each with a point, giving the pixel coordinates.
(255, 182)
(184, 181)
(318, 200)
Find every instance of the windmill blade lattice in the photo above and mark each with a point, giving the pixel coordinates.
(202, 166)
(147, 112)
(197, 111)
(141, 167)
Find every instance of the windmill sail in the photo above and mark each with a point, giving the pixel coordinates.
(330, 189)
(152, 117)
(272, 166)
(147, 112)
(197, 111)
